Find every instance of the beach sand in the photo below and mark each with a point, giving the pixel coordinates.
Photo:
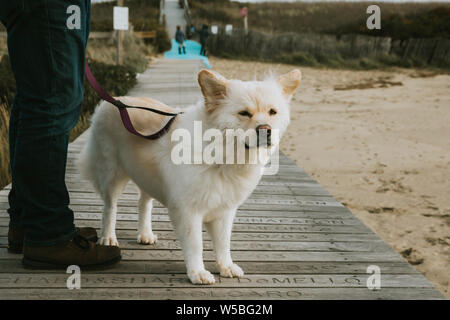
(379, 142)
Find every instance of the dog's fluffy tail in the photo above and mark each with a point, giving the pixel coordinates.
(89, 158)
(85, 161)
(97, 162)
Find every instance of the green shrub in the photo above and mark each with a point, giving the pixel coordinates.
(162, 41)
(117, 80)
(7, 82)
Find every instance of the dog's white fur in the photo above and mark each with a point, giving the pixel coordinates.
(194, 194)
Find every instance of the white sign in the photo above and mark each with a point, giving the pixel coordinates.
(214, 29)
(228, 29)
(120, 18)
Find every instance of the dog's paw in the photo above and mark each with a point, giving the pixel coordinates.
(109, 241)
(201, 277)
(146, 238)
(230, 271)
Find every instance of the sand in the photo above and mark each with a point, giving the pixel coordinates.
(379, 142)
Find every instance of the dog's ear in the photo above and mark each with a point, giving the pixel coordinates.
(214, 87)
(289, 82)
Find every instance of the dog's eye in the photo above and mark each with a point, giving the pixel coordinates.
(245, 113)
(272, 112)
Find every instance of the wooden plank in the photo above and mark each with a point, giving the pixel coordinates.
(253, 207)
(272, 182)
(78, 190)
(165, 244)
(243, 213)
(129, 208)
(101, 35)
(250, 267)
(211, 293)
(237, 220)
(280, 175)
(254, 236)
(102, 280)
(272, 200)
(273, 191)
(260, 228)
(170, 255)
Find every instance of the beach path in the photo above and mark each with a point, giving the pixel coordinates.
(291, 237)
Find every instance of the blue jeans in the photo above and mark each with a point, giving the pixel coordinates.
(47, 58)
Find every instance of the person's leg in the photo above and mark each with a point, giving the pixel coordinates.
(14, 210)
(46, 42)
(48, 62)
(202, 48)
(179, 48)
(15, 230)
(9, 10)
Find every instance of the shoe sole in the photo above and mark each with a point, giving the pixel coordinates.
(15, 249)
(18, 248)
(40, 265)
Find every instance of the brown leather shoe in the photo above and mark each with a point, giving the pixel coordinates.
(15, 240)
(78, 251)
(16, 236)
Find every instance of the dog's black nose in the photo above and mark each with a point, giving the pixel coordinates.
(264, 132)
(264, 129)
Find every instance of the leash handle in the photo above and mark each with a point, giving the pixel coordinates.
(123, 108)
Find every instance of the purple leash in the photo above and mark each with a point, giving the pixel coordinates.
(123, 108)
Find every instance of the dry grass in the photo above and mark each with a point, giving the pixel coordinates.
(137, 53)
(3, 47)
(144, 15)
(5, 173)
(303, 17)
(82, 124)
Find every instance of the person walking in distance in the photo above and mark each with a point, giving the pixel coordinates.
(180, 38)
(204, 34)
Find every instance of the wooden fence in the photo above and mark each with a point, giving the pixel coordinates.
(269, 46)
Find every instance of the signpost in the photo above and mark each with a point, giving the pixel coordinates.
(228, 29)
(120, 24)
(244, 14)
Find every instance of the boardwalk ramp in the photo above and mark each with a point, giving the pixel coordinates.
(291, 237)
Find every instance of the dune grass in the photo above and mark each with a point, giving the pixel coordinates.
(399, 20)
(5, 170)
(137, 56)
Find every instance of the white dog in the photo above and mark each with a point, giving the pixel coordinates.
(195, 194)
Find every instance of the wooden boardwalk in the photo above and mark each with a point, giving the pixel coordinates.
(291, 237)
